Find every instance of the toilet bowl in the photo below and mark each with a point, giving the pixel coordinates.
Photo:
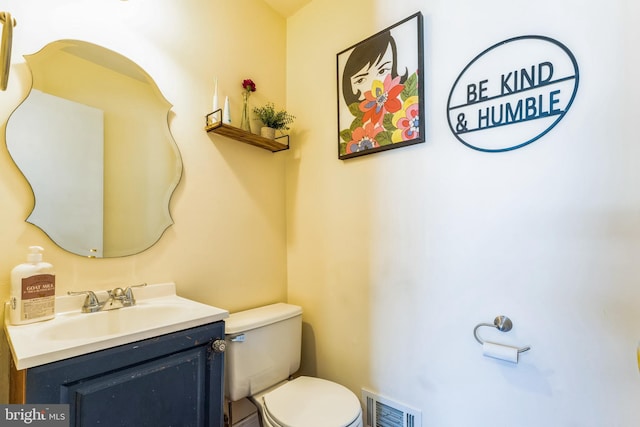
(308, 402)
(263, 351)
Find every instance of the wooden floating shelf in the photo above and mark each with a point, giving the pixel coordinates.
(247, 137)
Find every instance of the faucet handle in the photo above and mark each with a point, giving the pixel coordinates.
(129, 299)
(141, 285)
(128, 296)
(91, 302)
(128, 293)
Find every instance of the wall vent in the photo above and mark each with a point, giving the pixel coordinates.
(383, 412)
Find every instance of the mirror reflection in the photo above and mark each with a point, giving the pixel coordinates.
(92, 138)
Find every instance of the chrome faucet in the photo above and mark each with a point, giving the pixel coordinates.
(91, 303)
(117, 298)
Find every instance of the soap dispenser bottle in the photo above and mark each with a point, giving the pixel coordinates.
(33, 290)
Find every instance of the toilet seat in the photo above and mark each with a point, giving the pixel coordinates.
(312, 402)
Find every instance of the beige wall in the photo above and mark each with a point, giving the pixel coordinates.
(396, 256)
(227, 247)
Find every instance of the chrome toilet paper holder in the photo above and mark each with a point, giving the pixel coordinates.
(501, 323)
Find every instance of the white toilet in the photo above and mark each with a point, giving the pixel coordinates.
(263, 350)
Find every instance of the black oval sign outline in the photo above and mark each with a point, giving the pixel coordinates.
(560, 117)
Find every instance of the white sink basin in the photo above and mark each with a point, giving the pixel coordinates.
(77, 326)
(158, 311)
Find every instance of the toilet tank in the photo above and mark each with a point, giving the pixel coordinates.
(263, 348)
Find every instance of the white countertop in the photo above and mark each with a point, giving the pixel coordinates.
(158, 311)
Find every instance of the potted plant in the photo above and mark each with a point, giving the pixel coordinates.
(272, 119)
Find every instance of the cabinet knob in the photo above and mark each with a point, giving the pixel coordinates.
(219, 346)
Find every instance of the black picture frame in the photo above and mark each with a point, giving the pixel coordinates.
(380, 91)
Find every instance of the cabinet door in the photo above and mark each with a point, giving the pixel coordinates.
(166, 392)
(171, 380)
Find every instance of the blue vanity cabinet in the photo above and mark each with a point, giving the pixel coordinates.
(170, 380)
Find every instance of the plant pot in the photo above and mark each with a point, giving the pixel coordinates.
(267, 132)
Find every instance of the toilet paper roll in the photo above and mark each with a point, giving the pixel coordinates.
(500, 351)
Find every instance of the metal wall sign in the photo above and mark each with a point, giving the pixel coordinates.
(513, 93)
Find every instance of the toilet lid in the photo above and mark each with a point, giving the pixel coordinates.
(312, 402)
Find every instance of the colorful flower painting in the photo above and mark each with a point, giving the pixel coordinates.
(380, 95)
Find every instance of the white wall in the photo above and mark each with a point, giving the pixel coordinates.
(396, 256)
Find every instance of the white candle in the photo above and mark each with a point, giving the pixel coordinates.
(214, 117)
(226, 114)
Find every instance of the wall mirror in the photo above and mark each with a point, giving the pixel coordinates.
(92, 139)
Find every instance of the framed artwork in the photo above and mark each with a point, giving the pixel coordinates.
(380, 91)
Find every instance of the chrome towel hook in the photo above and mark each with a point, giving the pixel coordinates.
(501, 323)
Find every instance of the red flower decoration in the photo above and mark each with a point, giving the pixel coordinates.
(364, 138)
(381, 99)
(248, 85)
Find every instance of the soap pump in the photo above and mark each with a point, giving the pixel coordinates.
(33, 290)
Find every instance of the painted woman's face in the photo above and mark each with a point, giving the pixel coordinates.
(363, 79)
